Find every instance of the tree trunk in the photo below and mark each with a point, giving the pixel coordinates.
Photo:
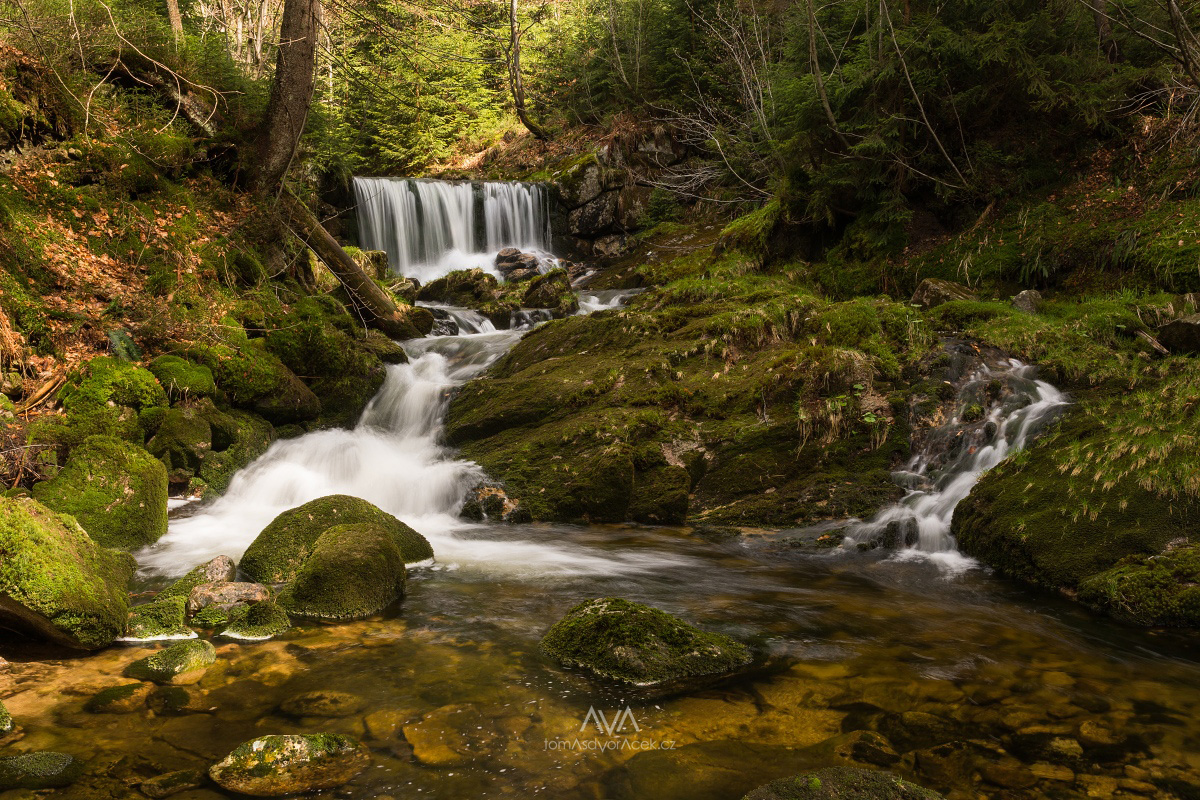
(364, 292)
(1104, 34)
(176, 19)
(291, 94)
(514, 72)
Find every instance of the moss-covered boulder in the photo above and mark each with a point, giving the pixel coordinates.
(278, 765)
(106, 396)
(182, 379)
(277, 553)
(256, 380)
(632, 643)
(384, 348)
(256, 622)
(337, 366)
(56, 582)
(842, 783)
(41, 770)
(161, 619)
(552, 291)
(7, 723)
(1038, 518)
(116, 490)
(1150, 590)
(353, 571)
(221, 568)
(181, 663)
(238, 437)
(466, 288)
(183, 439)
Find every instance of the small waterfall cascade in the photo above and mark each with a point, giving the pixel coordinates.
(431, 227)
(394, 457)
(1000, 409)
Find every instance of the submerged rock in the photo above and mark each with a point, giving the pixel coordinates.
(178, 700)
(115, 490)
(42, 770)
(225, 595)
(220, 568)
(119, 699)
(842, 783)
(256, 622)
(161, 619)
(277, 765)
(276, 555)
(173, 783)
(55, 582)
(179, 664)
(323, 703)
(935, 291)
(636, 644)
(353, 571)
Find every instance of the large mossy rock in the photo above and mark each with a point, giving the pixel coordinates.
(56, 582)
(105, 397)
(256, 622)
(353, 571)
(279, 765)
(181, 663)
(1037, 518)
(160, 619)
(256, 380)
(1150, 590)
(842, 783)
(117, 491)
(337, 365)
(202, 441)
(181, 378)
(41, 770)
(552, 291)
(636, 644)
(277, 554)
(466, 288)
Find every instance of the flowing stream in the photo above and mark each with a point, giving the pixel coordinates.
(999, 691)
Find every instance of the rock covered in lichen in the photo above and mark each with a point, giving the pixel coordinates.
(7, 723)
(842, 783)
(159, 619)
(276, 555)
(636, 644)
(353, 571)
(114, 489)
(180, 663)
(55, 582)
(41, 770)
(256, 622)
(277, 765)
(221, 568)
(225, 595)
(123, 699)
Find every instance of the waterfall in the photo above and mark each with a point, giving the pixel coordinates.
(1011, 407)
(431, 227)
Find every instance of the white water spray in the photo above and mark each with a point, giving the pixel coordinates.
(429, 228)
(926, 512)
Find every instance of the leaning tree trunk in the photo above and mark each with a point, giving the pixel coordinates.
(515, 82)
(278, 140)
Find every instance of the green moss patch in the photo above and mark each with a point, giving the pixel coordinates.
(41, 770)
(160, 619)
(258, 621)
(354, 571)
(181, 378)
(179, 662)
(634, 643)
(56, 582)
(1150, 590)
(277, 554)
(116, 490)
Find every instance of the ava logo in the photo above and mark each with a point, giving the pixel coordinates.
(622, 722)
